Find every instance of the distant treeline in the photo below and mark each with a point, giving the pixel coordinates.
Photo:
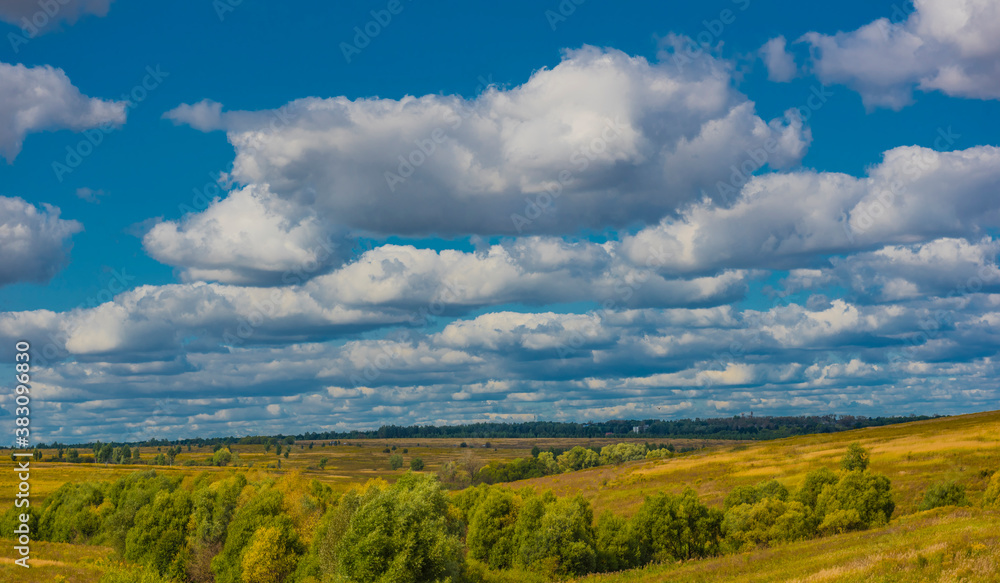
(738, 427)
(734, 428)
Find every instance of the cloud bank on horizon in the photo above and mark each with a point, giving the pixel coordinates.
(617, 236)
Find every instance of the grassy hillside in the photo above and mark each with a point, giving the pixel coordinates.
(913, 455)
(946, 544)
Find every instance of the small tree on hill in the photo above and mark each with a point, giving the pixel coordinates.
(856, 458)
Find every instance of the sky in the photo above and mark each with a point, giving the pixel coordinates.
(237, 217)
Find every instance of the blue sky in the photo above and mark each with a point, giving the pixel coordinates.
(850, 267)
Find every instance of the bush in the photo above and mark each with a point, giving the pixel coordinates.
(944, 494)
(815, 480)
(867, 494)
(578, 458)
(491, 529)
(676, 527)
(769, 520)
(416, 464)
(856, 458)
(622, 452)
(402, 532)
(160, 529)
(563, 543)
(395, 461)
(991, 497)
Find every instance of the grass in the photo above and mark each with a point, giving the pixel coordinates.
(946, 544)
(349, 463)
(55, 563)
(913, 456)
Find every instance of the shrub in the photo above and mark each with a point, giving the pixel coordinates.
(944, 494)
(578, 458)
(622, 452)
(416, 464)
(991, 497)
(563, 543)
(867, 494)
(402, 532)
(160, 529)
(856, 458)
(270, 556)
(676, 527)
(769, 520)
(395, 461)
(491, 529)
(813, 485)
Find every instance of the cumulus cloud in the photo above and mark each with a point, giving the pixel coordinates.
(780, 63)
(251, 237)
(35, 241)
(602, 139)
(794, 220)
(943, 45)
(35, 99)
(34, 18)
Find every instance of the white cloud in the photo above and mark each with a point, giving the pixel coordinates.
(35, 99)
(944, 45)
(619, 139)
(35, 241)
(206, 115)
(780, 63)
(794, 219)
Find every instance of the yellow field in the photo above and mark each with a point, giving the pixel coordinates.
(349, 463)
(55, 563)
(913, 455)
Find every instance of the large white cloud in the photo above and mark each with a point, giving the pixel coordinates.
(35, 241)
(944, 45)
(35, 99)
(788, 220)
(602, 139)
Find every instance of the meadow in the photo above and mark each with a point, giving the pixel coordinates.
(943, 544)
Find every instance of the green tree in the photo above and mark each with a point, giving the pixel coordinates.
(859, 500)
(564, 542)
(811, 487)
(676, 527)
(578, 458)
(395, 461)
(944, 494)
(222, 457)
(399, 533)
(856, 458)
(159, 533)
(416, 464)
(491, 529)
(270, 556)
(615, 542)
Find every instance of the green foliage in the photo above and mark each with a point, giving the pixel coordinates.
(578, 458)
(813, 484)
(753, 494)
(856, 458)
(615, 542)
(991, 497)
(491, 529)
(70, 513)
(416, 464)
(128, 495)
(263, 510)
(271, 555)
(159, 533)
(622, 452)
(564, 543)
(944, 494)
(397, 534)
(395, 461)
(866, 494)
(676, 527)
(222, 457)
(769, 520)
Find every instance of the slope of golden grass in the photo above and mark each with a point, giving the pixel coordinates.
(352, 462)
(55, 563)
(946, 544)
(913, 455)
